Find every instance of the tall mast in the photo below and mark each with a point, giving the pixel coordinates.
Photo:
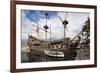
(50, 32)
(65, 22)
(37, 30)
(46, 27)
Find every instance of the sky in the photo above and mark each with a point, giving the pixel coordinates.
(30, 18)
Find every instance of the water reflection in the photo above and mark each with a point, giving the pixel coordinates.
(35, 57)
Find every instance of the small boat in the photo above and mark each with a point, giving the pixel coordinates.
(54, 53)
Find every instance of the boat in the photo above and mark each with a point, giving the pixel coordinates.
(54, 53)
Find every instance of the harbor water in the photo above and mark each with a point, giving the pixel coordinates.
(35, 57)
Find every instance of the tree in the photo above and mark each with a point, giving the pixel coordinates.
(86, 29)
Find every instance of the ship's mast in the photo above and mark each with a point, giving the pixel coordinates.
(37, 30)
(50, 32)
(46, 27)
(64, 22)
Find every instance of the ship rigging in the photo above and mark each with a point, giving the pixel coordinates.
(54, 48)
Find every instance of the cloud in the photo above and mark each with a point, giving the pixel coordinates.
(76, 21)
(26, 24)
